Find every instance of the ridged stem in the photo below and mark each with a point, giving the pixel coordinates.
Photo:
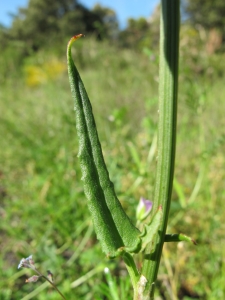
(168, 86)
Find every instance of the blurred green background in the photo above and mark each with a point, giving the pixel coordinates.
(43, 209)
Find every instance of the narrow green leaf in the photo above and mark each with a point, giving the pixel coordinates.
(178, 238)
(113, 227)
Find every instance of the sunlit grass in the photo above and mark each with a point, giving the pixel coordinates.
(43, 209)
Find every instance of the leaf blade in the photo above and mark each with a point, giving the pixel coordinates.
(113, 227)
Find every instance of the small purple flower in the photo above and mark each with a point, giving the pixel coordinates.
(143, 209)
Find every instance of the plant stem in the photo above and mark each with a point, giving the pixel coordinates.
(52, 284)
(133, 272)
(168, 86)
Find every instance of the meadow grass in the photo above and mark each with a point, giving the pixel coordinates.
(43, 208)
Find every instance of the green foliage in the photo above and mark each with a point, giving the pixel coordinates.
(134, 32)
(42, 205)
(140, 33)
(198, 10)
(43, 22)
(151, 230)
(109, 26)
(214, 23)
(113, 227)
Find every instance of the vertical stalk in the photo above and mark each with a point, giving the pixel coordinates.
(168, 86)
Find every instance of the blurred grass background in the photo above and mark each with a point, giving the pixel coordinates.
(42, 206)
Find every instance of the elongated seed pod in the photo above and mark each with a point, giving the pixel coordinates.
(113, 227)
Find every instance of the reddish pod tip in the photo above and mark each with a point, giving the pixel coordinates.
(74, 38)
(77, 36)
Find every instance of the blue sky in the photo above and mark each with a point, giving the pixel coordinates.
(124, 8)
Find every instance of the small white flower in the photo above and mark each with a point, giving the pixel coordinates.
(26, 262)
(28, 258)
(21, 263)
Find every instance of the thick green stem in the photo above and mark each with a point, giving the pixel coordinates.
(168, 86)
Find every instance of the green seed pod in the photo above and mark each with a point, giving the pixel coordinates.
(113, 227)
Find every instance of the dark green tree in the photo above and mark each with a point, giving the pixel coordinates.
(3, 36)
(135, 33)
(142, 33)
(46, 20)
(109, 27)
(209, 14)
